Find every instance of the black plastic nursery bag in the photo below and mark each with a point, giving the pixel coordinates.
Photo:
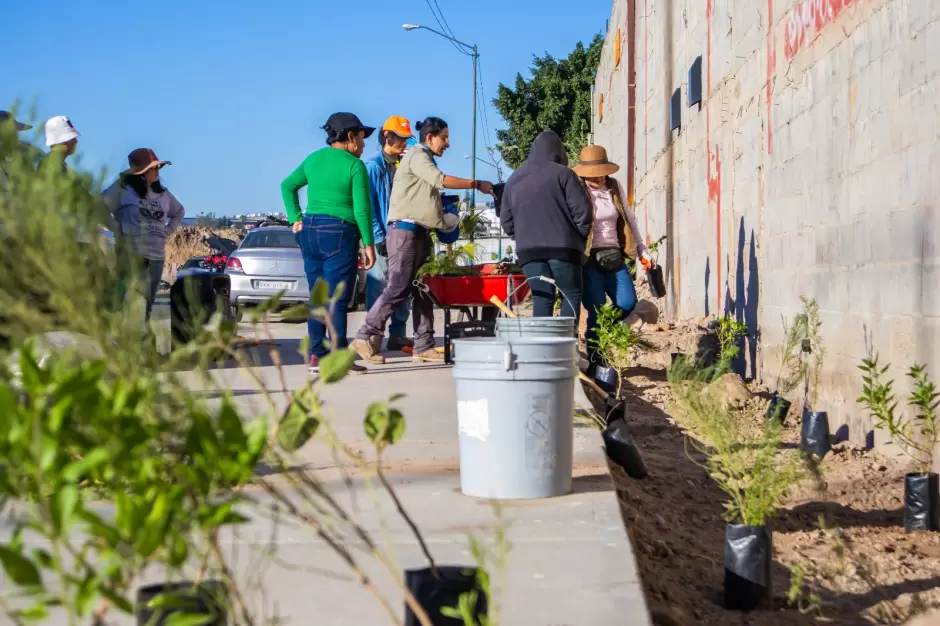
(748, 556)
(622, 449)
(434, 594)
(778, 408)
(656, 281)
(606, 378)
(207, 599)
(922, 502)
(814, 434)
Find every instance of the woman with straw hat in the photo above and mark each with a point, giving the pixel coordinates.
(614, 237)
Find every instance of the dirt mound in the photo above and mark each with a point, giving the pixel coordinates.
(195, 241)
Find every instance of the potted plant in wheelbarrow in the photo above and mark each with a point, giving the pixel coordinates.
(918, 437)
(749, 468)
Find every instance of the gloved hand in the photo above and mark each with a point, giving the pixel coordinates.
(646, 260)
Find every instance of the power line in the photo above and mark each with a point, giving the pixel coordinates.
(447, 26)
(441, 25)
(482, 98)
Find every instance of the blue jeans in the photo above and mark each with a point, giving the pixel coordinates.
(330, 247)
(567, 276)
(376, 281)
(598, 285)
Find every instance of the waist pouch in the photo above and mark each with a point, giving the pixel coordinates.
(607, 259)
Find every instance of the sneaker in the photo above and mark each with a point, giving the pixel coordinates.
(366, 350)
(429, 356)
(314, 367)
(398, 344)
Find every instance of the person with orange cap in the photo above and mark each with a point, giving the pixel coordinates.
(393, 141)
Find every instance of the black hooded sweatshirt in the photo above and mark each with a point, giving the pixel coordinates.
(545, 207)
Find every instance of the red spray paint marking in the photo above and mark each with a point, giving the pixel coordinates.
(714, 161)
(771, 66)
(807, 19)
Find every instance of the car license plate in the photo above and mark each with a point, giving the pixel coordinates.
(273, 285)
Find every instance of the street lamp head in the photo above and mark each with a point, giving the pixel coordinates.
(410, 26)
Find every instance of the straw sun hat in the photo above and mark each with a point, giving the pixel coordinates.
(594, 163)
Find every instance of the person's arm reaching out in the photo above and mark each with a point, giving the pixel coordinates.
(425, 169)
(289, 188)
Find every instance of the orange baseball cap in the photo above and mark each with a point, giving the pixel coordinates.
(398, 125)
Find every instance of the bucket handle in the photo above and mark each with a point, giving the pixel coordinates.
(544, 279)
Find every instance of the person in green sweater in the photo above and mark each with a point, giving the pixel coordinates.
(338, 215)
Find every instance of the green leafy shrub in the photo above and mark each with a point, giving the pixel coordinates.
(919, 435)
(748, 467)
(616, 342)
(729, 332)
(455, 261)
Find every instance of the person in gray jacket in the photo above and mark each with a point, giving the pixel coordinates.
(147, 214)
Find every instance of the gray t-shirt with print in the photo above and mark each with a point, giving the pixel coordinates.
(145, 222)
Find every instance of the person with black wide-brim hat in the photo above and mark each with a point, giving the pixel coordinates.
(338, 215)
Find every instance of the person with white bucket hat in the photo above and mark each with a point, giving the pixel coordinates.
(61, 137)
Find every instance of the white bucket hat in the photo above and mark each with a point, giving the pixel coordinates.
(59, 129)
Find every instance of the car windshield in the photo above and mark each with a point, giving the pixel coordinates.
(270, 239)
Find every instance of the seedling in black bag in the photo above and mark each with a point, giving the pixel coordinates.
(755, 476)
(792, 369)
(814, 430)
(615, 344)
(918, 437)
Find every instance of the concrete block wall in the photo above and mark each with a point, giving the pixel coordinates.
(812, 168)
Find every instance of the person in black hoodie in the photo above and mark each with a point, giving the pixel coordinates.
(546, 209)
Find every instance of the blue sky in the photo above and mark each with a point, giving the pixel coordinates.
(234, 92)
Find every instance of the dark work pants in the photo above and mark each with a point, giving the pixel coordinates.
(407, 251)
(567, 277)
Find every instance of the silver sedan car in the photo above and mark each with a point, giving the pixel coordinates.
(269, 262)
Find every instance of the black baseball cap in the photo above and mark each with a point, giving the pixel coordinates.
(342, 123)
(6, 115)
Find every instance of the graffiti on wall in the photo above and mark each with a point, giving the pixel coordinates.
(807, 19)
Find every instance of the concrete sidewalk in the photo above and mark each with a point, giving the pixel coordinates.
(569, 563)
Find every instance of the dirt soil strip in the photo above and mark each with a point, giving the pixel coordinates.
(874, 574)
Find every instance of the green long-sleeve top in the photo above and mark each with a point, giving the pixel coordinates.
(337, 184)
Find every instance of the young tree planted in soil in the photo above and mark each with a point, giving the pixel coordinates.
(811, 343)
(792, 370)
(616, 342)
(919, 435)
(730, 331)
(753, 473)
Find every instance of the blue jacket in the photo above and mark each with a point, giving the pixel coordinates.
(380, 191)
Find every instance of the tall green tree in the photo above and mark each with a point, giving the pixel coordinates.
(557, 97)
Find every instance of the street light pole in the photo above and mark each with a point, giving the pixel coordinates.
(475, 53)
(473, 143)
